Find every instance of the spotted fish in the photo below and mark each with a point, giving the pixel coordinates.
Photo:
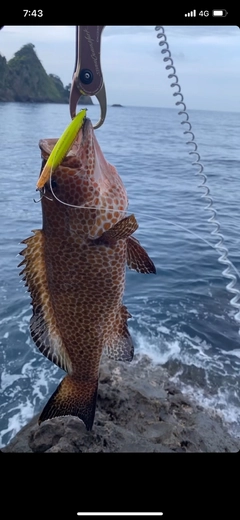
(75, 269)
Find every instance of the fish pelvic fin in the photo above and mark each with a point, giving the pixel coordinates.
(123, 229)
(120, 347)
(137, 257)
(72, 397)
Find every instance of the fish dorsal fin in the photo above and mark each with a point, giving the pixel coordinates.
(123, 229)
(120, 346)
(43, 326)
(137, 257)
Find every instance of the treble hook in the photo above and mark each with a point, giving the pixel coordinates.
(42, 194)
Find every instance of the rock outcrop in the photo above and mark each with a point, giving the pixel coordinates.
(24, 79)
(138, 410)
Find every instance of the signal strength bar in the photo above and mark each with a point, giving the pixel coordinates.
(192, 13)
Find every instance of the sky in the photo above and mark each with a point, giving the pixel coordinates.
(207, 62)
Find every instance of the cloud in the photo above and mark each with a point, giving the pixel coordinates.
(175, 30)
(206, 59)
(115, 30)
(40, 33)
(199, 31)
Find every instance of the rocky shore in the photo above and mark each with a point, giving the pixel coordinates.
(138, 410)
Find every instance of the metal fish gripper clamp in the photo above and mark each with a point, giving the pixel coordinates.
(87, 76)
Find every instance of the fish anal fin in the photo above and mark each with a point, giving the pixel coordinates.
(123, 229)
(43, 325)
(48, 340)
(120, 346)
(72, 397)
(137, 257)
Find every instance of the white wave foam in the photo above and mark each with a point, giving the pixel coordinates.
(217, 403)
(23, 324)
(27, 398)
(157, 349)
(21, 318)
(193, 352)
(163, 329)
(8, 379)
(21, 416)
(235, 352)
(187, 351)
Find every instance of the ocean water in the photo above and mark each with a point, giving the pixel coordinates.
(182, 317)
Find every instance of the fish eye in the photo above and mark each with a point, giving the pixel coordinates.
(53, 184)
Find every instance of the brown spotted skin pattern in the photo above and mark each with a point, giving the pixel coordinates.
(66, 399)
(75, 280)
(86, 284)
(43, 324)
(85, 178)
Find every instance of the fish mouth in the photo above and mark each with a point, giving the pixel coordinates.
(87, 130)
(80, 159)
(84, 139)
(86, 125)
(84, 136)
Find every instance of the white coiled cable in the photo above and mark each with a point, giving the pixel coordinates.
(220, 246)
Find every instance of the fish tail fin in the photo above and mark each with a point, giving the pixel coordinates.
(72, 397)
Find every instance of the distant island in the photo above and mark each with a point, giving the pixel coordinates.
(116, 105)
(24, 79)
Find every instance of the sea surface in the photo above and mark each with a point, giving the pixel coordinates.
(182, 317)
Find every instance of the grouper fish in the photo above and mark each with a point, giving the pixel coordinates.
(75, 268)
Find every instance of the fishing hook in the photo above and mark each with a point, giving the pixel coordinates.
(42, 194)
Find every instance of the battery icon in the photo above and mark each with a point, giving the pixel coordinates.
(219, 12)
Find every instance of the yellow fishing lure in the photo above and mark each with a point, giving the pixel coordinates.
(62, 147)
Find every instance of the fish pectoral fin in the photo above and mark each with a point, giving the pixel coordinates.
(43, 326)
(123, 229)
(137, 257)
(72, 397)
(120, 347)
